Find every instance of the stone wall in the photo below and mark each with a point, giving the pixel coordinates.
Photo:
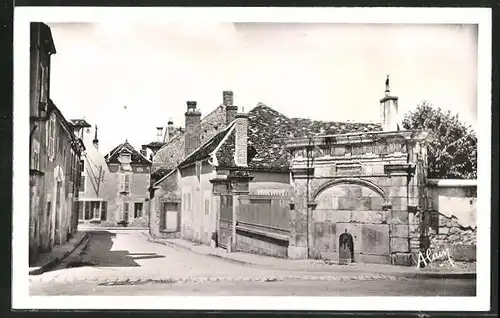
(451, 218)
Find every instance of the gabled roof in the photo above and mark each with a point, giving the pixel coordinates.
(205, 150)
(76, 142)
(267, 132)
(136, 156)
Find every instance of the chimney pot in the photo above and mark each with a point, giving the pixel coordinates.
(191, 105)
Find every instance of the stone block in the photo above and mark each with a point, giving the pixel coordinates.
(336, 216)
(465, 253)
(402, 259)
(398, 217)
(319, 215)
(324, 201)
(399, 244)
(365, 203)
(376, 203)
(375, 239)
(367, 192)
(370, 217)
(395, 191)
(398, 181)
(354, 192)
(399, 230)
(335, 203)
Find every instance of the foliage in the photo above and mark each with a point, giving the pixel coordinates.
(452, 153)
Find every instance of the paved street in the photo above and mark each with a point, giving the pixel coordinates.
(125, 263)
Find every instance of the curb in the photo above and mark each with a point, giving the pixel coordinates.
(410, 275)
(175, 245)
(84, 229)
(55, 261)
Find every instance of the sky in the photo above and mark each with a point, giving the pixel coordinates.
(130, 78)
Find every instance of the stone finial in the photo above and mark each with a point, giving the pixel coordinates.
(387, 89)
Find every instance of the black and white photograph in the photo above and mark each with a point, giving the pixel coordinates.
(320, 155)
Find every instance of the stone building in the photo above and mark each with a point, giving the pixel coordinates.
(54, 155)
(126, 187)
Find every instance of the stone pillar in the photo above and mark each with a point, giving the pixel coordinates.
(299, 216)
(240, 189)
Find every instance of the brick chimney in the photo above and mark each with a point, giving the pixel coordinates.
(228, 102)
(144, 151)
(159, 134)
(389, 110)
(169, 132)
(241, 143)
(193, 128)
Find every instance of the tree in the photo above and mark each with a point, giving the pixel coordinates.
(452, 154)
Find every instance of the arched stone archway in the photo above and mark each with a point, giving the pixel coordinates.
(354, 206)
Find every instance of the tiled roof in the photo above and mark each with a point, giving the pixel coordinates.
(268, 130)
(136, 157)
(160, 173)
(207, 148)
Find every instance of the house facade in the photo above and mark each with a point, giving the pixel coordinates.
(54, 155)
(95, 190)
(127, 187)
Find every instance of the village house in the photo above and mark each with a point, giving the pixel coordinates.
(95, 190)
(127, 187)
(54, 155)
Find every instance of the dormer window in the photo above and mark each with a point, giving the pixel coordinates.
(125, 158)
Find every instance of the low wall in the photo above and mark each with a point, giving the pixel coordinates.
(263, 240)
(451, 218)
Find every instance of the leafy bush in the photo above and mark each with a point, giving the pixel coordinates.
(453, 152)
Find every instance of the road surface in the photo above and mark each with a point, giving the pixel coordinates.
(124, 263)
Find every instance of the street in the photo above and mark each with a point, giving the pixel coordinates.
(126, 263)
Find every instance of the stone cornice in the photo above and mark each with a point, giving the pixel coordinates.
(400, 169)
(386, 98)
(356, 138)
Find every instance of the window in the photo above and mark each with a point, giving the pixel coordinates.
(125, 211)
(44, 79)
(261, 201)
(82, 165)
(80, 210)
(52, 133)
(87, 211)
(94, 207)
(104, 206)
(125, 158)
(137, 209)
(82, 184)
(36, 160)
(125, 182)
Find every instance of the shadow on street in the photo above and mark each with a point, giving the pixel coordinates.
(97, 252)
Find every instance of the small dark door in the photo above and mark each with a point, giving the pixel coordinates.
(346, 248)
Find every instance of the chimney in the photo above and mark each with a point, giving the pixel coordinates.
(231, 110)
(144, 151)
(159, 134)
(170, 131)
(241, 143)
(95, 142)
(193, 128)
(389, 110)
